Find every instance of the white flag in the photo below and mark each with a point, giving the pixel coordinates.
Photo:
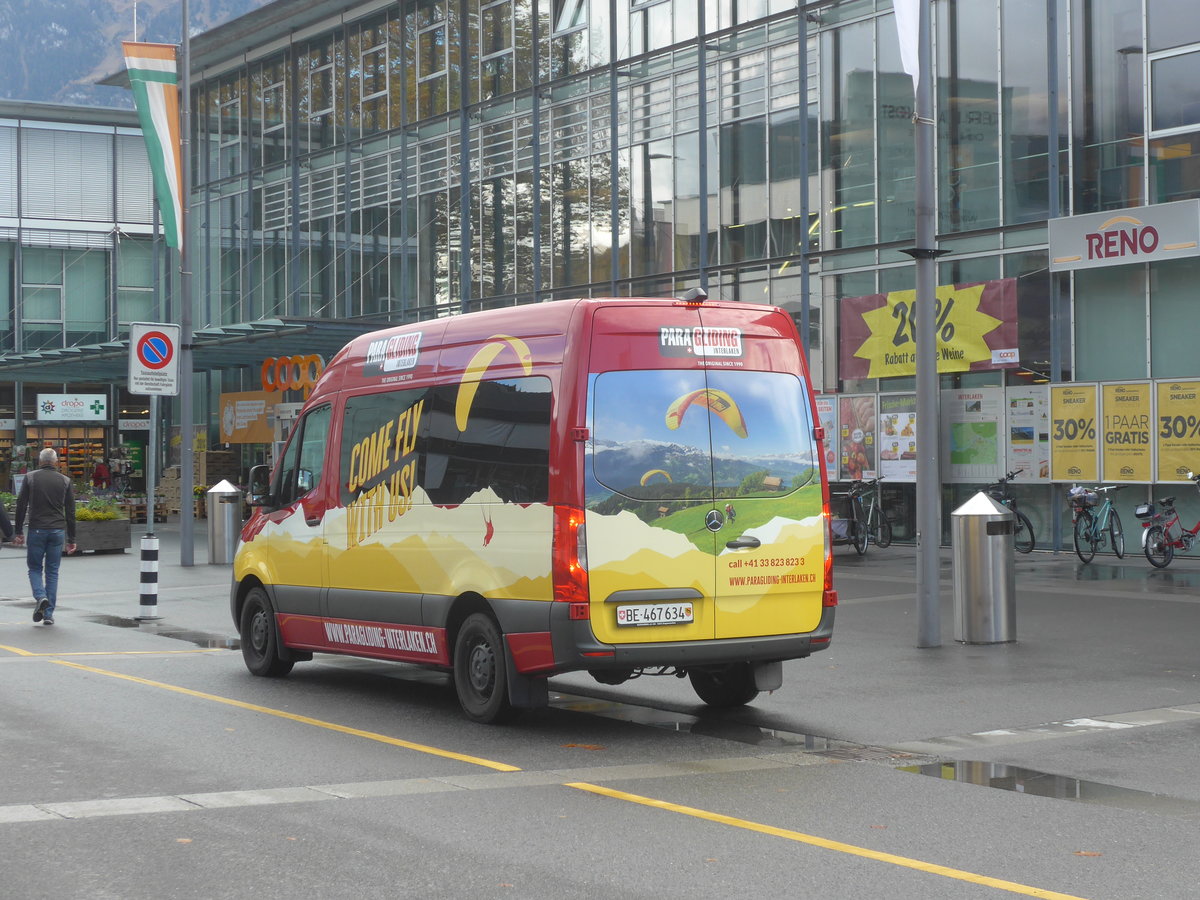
(908, 27)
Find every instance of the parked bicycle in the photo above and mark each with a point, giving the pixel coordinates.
(871, 520)
(1023, 538)
(1164, 531)
(1095, 522)
(864, 520)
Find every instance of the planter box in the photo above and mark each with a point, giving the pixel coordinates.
(108, 535)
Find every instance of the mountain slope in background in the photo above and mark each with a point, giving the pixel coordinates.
(53, 51)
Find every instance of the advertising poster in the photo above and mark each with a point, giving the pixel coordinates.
(973, 419)
(1178, 429)
(1028, 431)
(1125, 417)
(827, 419)
(856, 437)
(1073, 444)
(898, 437)
(245, 417)
(976, 327)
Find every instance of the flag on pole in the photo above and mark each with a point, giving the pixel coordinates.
(153, 76)
(908, 27)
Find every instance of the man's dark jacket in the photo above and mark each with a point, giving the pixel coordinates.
(49, 497)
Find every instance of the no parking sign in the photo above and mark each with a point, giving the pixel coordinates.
(154, 359)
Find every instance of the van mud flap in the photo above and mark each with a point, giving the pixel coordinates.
(525, 691)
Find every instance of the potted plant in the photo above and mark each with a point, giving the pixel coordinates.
(100, 527)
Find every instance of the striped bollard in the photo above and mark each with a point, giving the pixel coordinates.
(148, 599)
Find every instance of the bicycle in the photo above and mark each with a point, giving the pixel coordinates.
(1164, 532)
(1023, 537)
(878, 528)
(1093, 522)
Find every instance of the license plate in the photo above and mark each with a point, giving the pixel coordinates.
(655, 614)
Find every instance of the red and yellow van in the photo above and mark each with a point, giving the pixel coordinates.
(623, 486)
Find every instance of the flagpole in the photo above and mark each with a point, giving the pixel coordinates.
(187, 505)
(928, 488)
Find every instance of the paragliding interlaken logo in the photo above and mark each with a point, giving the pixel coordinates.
(677, 340)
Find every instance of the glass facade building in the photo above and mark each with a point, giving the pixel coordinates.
(422, 158)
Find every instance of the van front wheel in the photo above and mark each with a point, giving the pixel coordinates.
(724, 686)
(260, 637)
(480, 676)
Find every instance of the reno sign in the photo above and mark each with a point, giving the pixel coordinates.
(1119, 237)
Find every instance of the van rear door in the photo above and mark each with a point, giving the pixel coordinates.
(649, 491)
(769, 575)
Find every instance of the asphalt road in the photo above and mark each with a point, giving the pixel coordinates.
(146, 762)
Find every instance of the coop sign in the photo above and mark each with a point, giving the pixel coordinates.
(72, 408)
(1113, 238)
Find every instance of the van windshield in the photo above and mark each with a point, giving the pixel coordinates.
(692, 434)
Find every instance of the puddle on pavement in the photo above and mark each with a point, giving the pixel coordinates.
(199, 638)
(1057, 787)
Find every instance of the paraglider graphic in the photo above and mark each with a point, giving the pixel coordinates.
(489, 530)
(717, 401)
(653, 472)
(479, 363)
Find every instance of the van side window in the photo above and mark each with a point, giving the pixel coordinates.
(383, 442)
(304, 458)
(505, 445)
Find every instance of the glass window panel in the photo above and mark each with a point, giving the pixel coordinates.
(743, 190)
(87, 288)
(787, 219)
(1107, 61)
(1110, 323)
(969, 120)
(41, 266)
(687, 201)
(1172, 24)
(41, 303)
(135, 306)
(652, 190)
(43, 336)
(1175, 91)
(848, 103)
(1025, 99)
(1173, 317)
(1175, 168)
(135, 264)
(569, 14)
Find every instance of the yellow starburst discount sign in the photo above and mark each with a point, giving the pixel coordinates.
(976, 327)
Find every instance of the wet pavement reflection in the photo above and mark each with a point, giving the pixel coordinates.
(199, 638)
(1058, 787)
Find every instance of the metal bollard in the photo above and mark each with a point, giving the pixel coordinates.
(148, 598)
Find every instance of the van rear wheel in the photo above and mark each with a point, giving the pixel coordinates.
(260, 637)
(480, 674)
(724, 686)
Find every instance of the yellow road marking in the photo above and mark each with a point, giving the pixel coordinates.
(919, 865)
(304, 720)
(113, 652)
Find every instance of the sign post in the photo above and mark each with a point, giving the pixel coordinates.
(153, 370)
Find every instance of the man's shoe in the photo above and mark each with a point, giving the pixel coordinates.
(48, 620)
(40, 612)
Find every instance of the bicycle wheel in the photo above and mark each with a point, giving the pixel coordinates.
(1022, 532)
(1158, 549)
(1116, 534)
(882, 532)
(1085, 546)
(858, 530)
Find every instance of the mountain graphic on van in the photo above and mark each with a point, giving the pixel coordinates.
(620, 466)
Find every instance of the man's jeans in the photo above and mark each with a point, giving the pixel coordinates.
(44, 547)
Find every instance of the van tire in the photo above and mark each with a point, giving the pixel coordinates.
(724, 686)
(480, 673)
(260, 637)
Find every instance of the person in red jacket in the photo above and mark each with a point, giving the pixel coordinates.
(49, 498)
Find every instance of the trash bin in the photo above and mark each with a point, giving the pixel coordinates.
(984, 583)
(224, 506)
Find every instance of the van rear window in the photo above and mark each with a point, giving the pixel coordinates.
(681, 434)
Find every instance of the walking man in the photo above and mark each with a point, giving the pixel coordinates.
(48, 496)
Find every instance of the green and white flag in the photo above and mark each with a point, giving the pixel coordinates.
(153, 76)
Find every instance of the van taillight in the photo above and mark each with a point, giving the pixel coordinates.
(829, 595)
(569, 560)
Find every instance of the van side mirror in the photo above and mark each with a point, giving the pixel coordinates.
(259, 488)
